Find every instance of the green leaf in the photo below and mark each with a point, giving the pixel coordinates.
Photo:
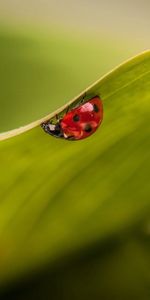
(58, 197)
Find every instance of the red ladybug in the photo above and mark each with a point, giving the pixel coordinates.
(79, 122)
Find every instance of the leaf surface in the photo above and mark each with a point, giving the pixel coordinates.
(59, 197)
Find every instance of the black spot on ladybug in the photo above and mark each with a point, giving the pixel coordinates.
(95, 108)
(88, 128)
(76, 118)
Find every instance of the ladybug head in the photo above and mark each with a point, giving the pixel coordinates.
(52, 129)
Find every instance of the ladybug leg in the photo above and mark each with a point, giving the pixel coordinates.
(83, 98)
(57, 118)
(81, 101)
(68, 108)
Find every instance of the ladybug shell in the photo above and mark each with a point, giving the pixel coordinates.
(82, 121)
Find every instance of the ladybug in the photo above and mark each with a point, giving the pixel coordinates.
(78, 123)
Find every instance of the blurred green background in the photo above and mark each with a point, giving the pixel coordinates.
(49, 52)
(43, 41)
